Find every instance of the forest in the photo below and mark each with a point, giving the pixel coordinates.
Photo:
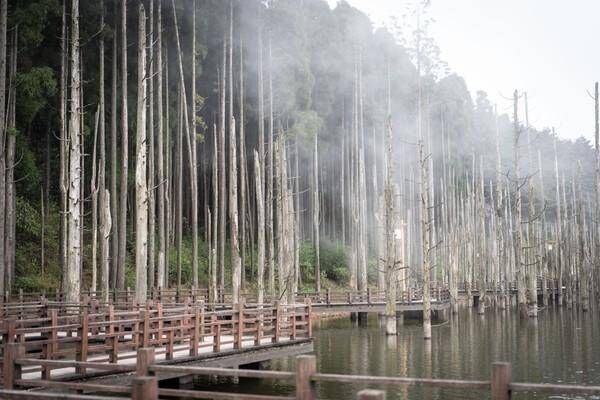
(273, 147)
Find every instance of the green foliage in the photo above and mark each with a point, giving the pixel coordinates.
(35, 87)
(28, 219)
(32, 17)
(306, 124)
(334, 261)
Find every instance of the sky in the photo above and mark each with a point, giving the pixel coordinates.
(544, 47)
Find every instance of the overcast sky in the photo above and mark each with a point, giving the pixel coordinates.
(545, 47)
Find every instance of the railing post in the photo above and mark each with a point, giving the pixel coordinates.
(217, 334)
(501, 376)
(328, 296)
(371, 394)
(82, 333)
(145, 334)
(276, 325)
(368, 295)
(308, 317)
(195, 337)
(145, 358)
(12, 370)
(144, 388)
(306, 366)
(239, 334)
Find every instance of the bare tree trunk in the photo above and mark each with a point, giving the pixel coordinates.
(162, 185)
(114, 240)
(519, 264)
(125, 150)
(316, 215)
(94, 194)
(559, 236)
(193, 156)
(236, 266)
(151, 158)
(141, 180)
(3, 24)
(260, 210)
(73, 279)
(215, 219)
(105, 232)
(390, 256)
(10, 222)
(103, 205)
(179, 202)
(269, 164)
(222, 177)
(243, 177)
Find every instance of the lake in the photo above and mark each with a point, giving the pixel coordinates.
(562, 346)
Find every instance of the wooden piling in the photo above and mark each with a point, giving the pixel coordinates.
(145, 358)
(12, 370)
(306, 366)
(144, 388)
(500, 381)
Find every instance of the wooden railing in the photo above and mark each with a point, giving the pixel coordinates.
(439, 294)
(106, 338)
(126, 298)
(306, 377)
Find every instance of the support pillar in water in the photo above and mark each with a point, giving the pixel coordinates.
(362, 318)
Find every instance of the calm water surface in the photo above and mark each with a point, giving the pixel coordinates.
(563, 346)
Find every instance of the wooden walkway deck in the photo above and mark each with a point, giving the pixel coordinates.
(106, 341)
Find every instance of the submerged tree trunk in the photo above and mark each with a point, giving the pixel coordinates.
(316, 216)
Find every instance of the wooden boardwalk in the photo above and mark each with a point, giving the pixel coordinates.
(106, 341)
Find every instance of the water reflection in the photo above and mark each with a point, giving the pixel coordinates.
(561, 346)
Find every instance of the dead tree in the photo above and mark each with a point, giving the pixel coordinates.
(141, 180)
(73, 273)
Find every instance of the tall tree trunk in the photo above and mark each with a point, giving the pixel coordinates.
(103, 205)
(141, 182)
(519, 264)
(162, 185)
(151, 157)
(10, 222)
(390, 256)
(193, 150)
(3, 24)
(125, 150)
(73, 274)
(270, 238)
(94, 194)
(260, 210)
(316, 216)
(114, 239)
(243, 177)
(236, 266)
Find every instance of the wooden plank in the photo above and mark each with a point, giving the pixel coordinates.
(384, 380)
(240, 373)
(20, 395)
(197, 394)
